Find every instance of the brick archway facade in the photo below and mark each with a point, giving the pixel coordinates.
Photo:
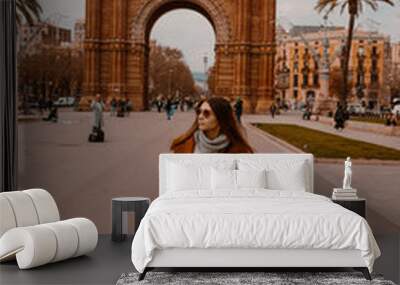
(117, 47)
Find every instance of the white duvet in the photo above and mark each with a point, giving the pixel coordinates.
(251, 218)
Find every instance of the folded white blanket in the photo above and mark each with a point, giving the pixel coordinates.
(252, 218)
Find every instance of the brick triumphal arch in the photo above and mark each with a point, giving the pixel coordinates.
(117, 47)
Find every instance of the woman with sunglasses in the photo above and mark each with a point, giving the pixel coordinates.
(215, 130)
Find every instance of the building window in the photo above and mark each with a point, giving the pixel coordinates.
(296, 80)
(295, 94)
(374, 77)
(296, 66)
(374, 64)
(316, 79)
(305, 79)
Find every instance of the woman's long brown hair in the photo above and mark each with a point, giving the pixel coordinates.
(226, 120)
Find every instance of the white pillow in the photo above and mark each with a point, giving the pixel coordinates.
(193, 175)
(291, 175)
(251, 178)
(183, 178)
(223, 179)
(236, 179)
(291, 179)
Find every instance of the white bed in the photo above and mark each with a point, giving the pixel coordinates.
(249, 227)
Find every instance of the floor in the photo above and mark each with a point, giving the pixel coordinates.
(104, 266)
(110, 260)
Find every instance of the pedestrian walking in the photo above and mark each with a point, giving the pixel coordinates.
(214, 130)
(97, 106)
(113, 104)
(121, 108)
(307, 112)
(273, 110)
(339, 117)
(175, 104)
(159, 105)
(391, 120)
(53, 113)
(128, 106)
(169, 108)
(189, 103)
(239, 109)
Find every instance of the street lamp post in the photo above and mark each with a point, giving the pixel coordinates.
(170, 82)
(205, 61)
(323, 102)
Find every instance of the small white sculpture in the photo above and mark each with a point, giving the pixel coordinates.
(347, 174)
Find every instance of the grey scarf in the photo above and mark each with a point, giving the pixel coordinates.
(206, 145)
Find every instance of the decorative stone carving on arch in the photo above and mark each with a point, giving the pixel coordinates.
(214, 8)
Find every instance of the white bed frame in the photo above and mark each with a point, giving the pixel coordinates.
(251, 258)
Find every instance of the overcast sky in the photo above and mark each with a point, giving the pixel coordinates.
(193, 34)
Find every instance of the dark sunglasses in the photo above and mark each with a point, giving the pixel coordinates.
(206, 113)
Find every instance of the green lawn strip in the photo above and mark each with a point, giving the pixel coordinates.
(324, 145)
(379, 121)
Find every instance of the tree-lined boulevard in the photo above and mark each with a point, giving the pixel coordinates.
(86, 176)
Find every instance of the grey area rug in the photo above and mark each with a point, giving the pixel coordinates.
(269, 278)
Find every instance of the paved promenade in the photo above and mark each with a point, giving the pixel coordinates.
(83, 177)
(296, 118)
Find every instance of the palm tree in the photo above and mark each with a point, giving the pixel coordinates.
(29, 10)
(354, 8)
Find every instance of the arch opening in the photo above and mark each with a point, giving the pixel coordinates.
(172, 6)
(192, 56)
(148, 14)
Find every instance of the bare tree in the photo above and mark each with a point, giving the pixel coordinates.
(168, 73)
(50, 72)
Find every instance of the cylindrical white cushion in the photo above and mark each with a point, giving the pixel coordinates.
(37, 245)
(7, 218)
(67, 240)
(33, 246)
(23, 208)
(45, 205)
(87, 233)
